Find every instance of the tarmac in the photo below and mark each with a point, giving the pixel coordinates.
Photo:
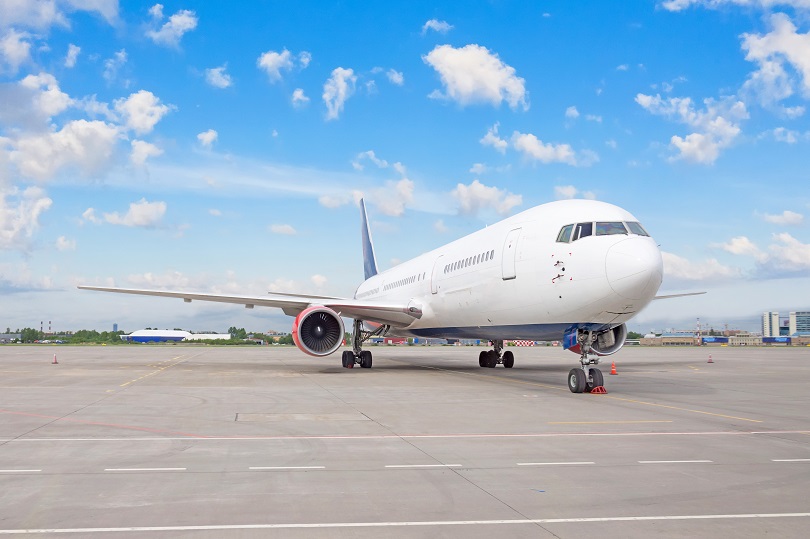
(183, 441)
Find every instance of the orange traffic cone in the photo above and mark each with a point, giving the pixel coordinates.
(54, 362)
(613, 368)
(710, 359)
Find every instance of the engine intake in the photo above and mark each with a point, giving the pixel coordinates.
(318, 331)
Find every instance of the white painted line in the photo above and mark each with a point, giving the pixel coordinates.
(19, 471)
(674, 461)
(423, 466)
(144, 469)
(397, 524)
(790, 460)
(552, 463)
(287, 468)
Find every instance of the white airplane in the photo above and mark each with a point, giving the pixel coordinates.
(573, 270)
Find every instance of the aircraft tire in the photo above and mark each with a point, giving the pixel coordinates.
(365, 359)
(598, 380)
(508, 359)
(346, 358)
(482, 359)
(576, 380)
(492, 359)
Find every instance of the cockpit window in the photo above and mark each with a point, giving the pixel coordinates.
(565, 234)
(610, 228)
(582, 230)
(636, 228)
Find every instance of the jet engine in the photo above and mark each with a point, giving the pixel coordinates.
(318, 331)
(604, 343)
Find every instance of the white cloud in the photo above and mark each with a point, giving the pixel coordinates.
(142, 214)
(42, 14)
(391, 199)
(48, 99)
(571, 112)
(215, 212)
(396, 77)
(142, 150)
(563, 192)
(285, 230)
(207, 138)
(141, 111)
(492, 139)
(680, 5)
(330, 201)
(787, 217)
(169, 280)
(789, 255)
(782, 134)
(217, 77)
(318, 280)
(436, 25)
(337, 89)
(14, 49)
(679, 268)
(717, 125)
(172, 30)
(112, 65)
(743, 246)
(472, 74)
(273, 63)
(89, 215)
(478, 168)
(72, 55)
(87, 145)
(612, 144)
(370, 156)
(304, 58)
(19, 215)
(593, 118)
(622, 67)
(65, 244)
(299, 99)
(440, 227)
(476, 196)
(534, 148)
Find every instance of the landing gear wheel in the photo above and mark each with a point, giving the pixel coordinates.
(365, 359)
(576, 380)
(491, 359)
(508, 359)
(347, 359)
(482, 359)
(597, 380)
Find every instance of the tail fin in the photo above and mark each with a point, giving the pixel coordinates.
(369, 260)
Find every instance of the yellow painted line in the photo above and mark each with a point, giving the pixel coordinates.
(683, 409)
(158, 371)
(602, 396)
(608, 422)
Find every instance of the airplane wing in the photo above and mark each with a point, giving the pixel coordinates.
(292, 304)
(679, 295)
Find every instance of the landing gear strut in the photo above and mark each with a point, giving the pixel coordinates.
(585, 378)
(491, 358)
(358, 356)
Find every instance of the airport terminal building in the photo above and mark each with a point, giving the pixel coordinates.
(171, 335)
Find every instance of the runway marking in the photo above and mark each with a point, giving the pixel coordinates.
(179, 359)
(145, 469)
(287, 468)
(675, 461)
(790, 460)
(401, 524)
(552, 463)
(19, 471)
(423, 466)
(609, 422)
(204, 438)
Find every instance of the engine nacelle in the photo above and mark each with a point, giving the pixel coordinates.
(318, 331)
(605, 342)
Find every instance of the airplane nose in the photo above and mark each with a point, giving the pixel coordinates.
(634, 268)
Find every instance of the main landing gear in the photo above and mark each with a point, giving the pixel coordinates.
(586, 379)
(358, 356)
(491, 358)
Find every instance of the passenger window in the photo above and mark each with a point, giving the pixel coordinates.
(492, 253)
(565, 234)
(636, 228)
(610, 228)
(583, 230)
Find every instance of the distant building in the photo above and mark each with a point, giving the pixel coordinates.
(8, 337)
(770, 324)
(115, 328)
(169, 335)
(799, 323)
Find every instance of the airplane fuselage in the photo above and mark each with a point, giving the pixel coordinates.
(523, 278)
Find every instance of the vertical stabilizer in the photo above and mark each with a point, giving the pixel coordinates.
(369, 261)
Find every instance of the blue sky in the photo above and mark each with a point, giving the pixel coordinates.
(222, 147)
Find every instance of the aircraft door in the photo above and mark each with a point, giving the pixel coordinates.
(434, 276)
(509, 254)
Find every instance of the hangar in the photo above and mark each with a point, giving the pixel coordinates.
(169, 335)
